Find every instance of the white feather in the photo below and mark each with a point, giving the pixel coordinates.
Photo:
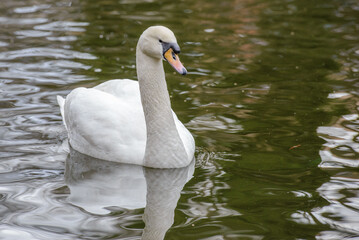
(108, 122)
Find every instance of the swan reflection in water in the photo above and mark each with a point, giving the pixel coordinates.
(97, 184)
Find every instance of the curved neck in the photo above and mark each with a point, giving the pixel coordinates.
(164, 147)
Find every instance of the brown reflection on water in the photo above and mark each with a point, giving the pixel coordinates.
(231, 29)
(230, 42)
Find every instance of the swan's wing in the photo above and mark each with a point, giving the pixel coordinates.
(125, 89)
(186, 137)
(61, 102)
(106, 126)
(107, 122)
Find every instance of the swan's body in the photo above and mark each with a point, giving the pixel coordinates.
(128, 121)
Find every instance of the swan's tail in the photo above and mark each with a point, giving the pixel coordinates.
(61, 102)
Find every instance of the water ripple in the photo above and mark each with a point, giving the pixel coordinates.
(342, 194)
(31, 33)
(65, 26)
(22, 21)
(31, 9)
(45, 52)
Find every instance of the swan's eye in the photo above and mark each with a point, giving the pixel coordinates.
(173, 55)
(160, 41)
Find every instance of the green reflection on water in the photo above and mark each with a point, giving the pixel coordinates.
(260, 73)
(258, 85)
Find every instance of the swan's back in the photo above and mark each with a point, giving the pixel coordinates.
(122, 88)
(107, 121)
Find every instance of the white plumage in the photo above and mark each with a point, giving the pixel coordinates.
(131, 121)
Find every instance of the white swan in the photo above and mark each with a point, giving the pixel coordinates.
(128, 121)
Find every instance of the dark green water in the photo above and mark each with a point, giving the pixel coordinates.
(271, 98)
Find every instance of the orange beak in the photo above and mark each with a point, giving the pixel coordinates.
(172, 58)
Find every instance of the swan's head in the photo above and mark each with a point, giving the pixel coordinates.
(160, 42)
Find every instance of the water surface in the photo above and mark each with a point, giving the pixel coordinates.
(271, 98)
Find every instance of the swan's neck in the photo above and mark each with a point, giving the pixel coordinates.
(164, 147)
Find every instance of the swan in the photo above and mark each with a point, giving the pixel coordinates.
(129, 121)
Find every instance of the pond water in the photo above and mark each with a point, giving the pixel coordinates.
(271, 98)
